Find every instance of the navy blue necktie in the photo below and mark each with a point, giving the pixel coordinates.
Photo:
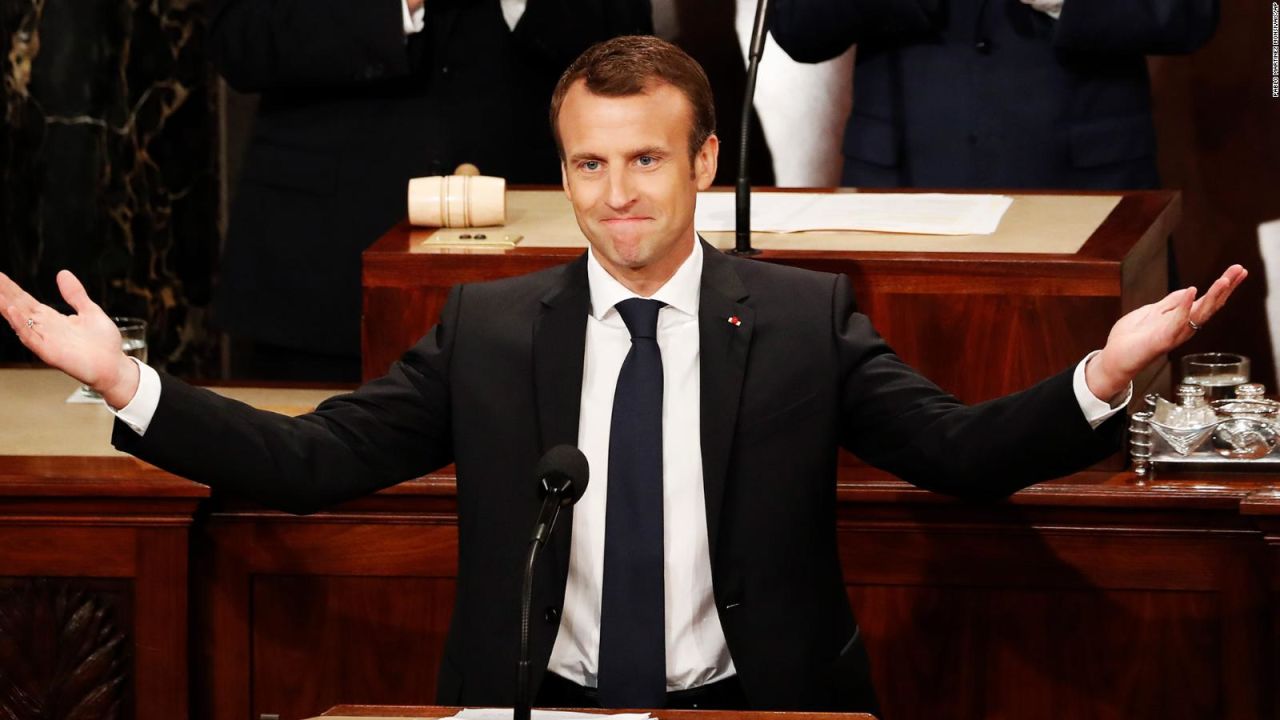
(633, 665)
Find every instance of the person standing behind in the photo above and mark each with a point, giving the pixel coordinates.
(997, 93)
(356, 98)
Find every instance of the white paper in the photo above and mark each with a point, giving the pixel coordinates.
(1269, 245)
(913, 213)
(506, 714)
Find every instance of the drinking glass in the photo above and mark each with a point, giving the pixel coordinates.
(133, 340)
(1217, 373)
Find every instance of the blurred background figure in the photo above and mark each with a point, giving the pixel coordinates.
(121, 150)
(802, 108)
(355, 98)
(997, 93)
(799, 108)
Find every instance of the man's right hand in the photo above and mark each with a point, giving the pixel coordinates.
(85, 345)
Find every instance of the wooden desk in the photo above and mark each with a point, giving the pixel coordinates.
(94, 557)
(1092, 596)
(980, 324)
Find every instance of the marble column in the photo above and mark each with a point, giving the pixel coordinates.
(107, 163)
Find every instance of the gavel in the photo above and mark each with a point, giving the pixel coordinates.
(464, 199)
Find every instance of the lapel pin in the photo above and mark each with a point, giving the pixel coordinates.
(734, 320)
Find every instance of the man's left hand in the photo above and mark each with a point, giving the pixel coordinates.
(1145, 334)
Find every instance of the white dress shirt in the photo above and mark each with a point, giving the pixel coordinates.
(512, 11)
(696, 649)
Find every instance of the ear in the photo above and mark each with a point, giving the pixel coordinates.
(705, 162)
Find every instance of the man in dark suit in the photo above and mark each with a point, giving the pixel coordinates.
(355, 99)
(997, 93)
(709, 393)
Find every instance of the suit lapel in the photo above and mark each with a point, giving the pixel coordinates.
(725, 326)
(559, 343)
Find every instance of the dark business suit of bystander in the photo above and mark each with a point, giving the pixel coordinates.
(350, 109)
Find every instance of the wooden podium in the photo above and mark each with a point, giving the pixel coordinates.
(1093, 596)
(982, 316)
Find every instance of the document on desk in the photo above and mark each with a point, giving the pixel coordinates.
(504, 714)
(914, 213)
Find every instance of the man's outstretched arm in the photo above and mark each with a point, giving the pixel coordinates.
(896, 419)
(390, 430)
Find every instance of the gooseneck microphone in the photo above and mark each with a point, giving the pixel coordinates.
(562, 478)
(742, 194)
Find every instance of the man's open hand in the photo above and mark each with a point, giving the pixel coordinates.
(85, 345)
(1145, 334)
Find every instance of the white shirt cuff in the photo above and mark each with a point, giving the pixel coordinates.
(1095, 410)
(138, 413)
(413, 21)
(1052, 8)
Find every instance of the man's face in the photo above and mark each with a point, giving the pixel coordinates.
(628, 175)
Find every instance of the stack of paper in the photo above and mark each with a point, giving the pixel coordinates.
(914, 213)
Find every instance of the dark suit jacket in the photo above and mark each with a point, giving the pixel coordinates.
(498, 382)
(350, 110)
(993, 93)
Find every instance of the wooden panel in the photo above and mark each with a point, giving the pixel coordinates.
(161, 600)
(155, 559)
(77, 552)
(1009, 616)
(1007, 341)
(980, 324)
(982, 653)
(346, 640)
(262, 625)
(1096, 595)
(65, 649)
(417, 309)
(107, 540)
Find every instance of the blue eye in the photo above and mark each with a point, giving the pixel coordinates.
(646, 160)
(591, 165)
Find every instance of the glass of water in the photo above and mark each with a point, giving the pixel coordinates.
(133, 340)
(1217, 373)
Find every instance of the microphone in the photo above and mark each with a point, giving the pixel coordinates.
(562, 478)
(742, 194)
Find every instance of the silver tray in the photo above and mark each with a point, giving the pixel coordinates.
(1149, 452)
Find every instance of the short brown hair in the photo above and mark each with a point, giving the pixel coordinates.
(629, 65)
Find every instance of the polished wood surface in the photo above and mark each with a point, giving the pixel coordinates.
(1092, 596)
(979, 324)
(93, 586)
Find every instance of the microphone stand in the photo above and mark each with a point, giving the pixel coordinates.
(742, 194)
(551, 505)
